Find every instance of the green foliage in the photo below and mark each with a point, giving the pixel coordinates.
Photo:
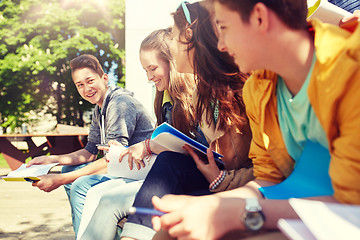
(3, 163)
(38, 38)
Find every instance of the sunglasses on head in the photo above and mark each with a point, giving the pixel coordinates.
(186, 11)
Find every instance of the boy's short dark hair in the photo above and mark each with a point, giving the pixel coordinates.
(292, 13)
(86, 61)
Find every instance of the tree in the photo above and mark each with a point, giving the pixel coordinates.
(38, 38)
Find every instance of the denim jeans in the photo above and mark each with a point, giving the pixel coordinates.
(172, 173)
(70, 168)
(105, 205)
(77, 191)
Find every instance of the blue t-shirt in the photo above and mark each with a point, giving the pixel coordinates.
(297, 119)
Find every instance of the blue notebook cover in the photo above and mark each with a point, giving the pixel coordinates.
(310, 177)
(166, 130)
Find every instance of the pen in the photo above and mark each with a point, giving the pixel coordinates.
(102, 145)
(147, 211)
(30, 180)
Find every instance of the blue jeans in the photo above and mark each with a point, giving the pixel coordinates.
(70, 168)
(172, 173)
(77, 191)
(105, 205)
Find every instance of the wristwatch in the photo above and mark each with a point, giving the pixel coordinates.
(253, 217)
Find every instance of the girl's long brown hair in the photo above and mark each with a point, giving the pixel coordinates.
(215, 70)
(181, 85)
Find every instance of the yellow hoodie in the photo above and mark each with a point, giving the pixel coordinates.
(334, 93)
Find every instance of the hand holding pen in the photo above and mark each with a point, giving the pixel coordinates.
(146, 211)
(189, 217)
(103, 147)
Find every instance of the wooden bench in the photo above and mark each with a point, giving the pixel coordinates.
(55, 144)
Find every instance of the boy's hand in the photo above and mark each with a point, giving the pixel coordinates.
(349, 23)
(42, 160)
(205, 217)
(48, 182)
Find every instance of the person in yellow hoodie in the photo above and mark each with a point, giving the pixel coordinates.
(309, 92)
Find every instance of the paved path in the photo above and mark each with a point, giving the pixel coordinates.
(29, 213)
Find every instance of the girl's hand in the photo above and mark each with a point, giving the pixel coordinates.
(136, 153)
(210, 170)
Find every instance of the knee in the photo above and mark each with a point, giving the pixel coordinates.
(166, 155)
(91, 194)
(115, 207)
(79, 187)
(109, 200)
(171, 160)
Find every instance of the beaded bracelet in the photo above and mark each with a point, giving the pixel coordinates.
(217, 180)
(147, 146)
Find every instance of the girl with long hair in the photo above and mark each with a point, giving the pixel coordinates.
(172, 105)
(220, 113)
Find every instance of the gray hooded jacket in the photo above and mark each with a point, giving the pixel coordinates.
(121, 118)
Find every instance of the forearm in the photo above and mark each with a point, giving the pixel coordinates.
(249, 190)
(156, 148)
(97, 167)
(272, 209)
(75, 158)
(276, 209)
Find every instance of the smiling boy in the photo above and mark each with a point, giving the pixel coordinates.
(90, 85)
(117, 116)
(309, 92)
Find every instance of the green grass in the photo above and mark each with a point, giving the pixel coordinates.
(3, 163)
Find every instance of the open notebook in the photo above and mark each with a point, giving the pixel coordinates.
(122, 169)
(325, 11)
(319, 220)
(29, 174)
(171, 138)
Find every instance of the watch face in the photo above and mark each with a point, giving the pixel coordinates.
(254, 220)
